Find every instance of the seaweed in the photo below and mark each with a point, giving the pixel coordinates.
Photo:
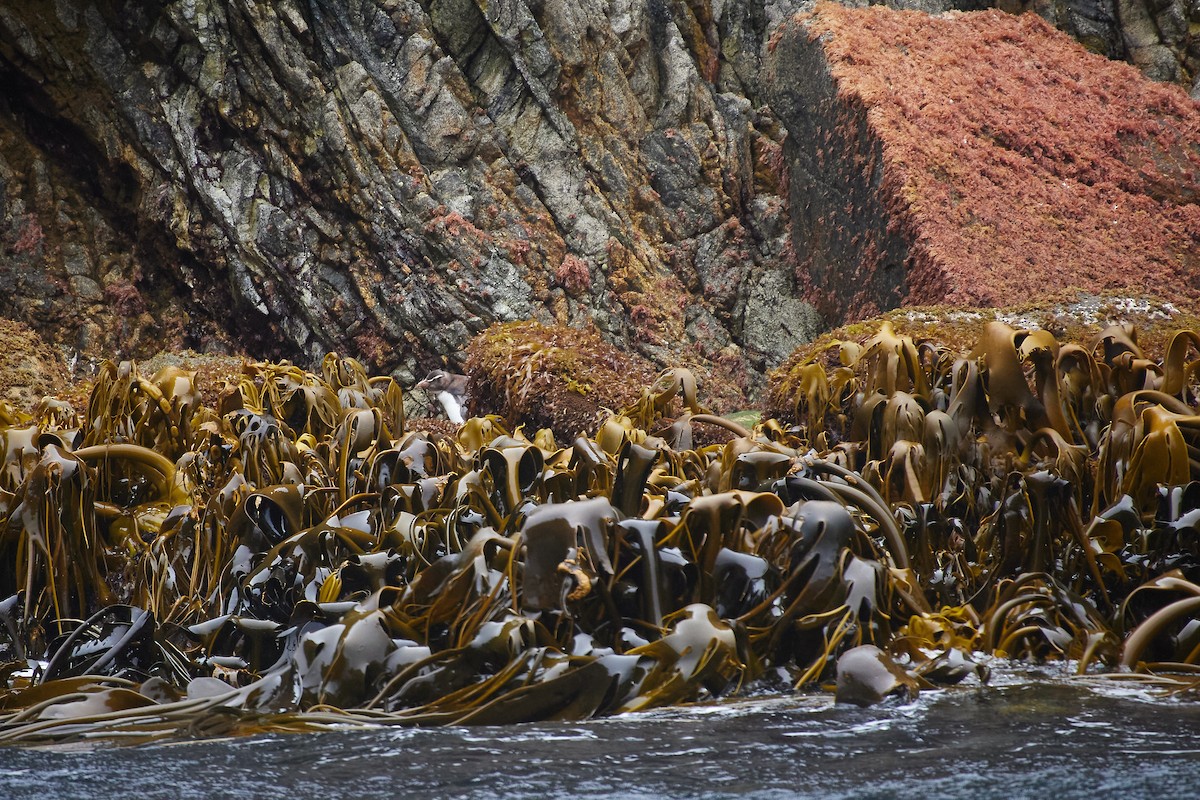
(298, 554)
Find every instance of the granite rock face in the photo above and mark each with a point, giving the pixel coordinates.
(978, 159)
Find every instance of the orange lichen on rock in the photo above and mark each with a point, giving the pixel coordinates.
(1015, 163)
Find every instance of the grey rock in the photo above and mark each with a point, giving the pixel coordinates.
(385, 179)
(85, 288)
(775, 321)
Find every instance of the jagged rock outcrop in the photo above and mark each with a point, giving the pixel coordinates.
(978, 159)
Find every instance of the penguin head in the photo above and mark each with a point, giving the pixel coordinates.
(439, 380)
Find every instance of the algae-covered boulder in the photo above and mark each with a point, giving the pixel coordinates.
(29, 368)
(1079, 318)
(549, 376)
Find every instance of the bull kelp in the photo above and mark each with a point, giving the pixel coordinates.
(296, 554)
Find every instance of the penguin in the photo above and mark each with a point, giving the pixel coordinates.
(451, 391)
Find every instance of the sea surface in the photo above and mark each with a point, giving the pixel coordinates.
(1021, 736)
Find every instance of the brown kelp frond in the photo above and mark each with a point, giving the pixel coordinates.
(1015, 454)
(293, 557)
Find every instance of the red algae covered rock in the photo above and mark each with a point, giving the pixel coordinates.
(979, 159)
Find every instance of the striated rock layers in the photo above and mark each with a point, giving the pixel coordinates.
(388, 178)
(978, 159)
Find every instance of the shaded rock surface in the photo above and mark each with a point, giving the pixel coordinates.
(978, 159)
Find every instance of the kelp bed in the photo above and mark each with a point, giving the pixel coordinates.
(297, 556)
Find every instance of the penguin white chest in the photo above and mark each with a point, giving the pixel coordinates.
(450, 404)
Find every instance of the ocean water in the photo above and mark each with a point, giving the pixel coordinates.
(1019, 737)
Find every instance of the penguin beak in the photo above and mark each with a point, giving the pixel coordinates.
(423, 384)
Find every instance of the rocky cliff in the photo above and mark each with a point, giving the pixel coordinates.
(388, 177)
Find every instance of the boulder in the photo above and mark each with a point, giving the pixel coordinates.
(866, 676)
(1082, 318)
(31, 369)
(552, 377)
